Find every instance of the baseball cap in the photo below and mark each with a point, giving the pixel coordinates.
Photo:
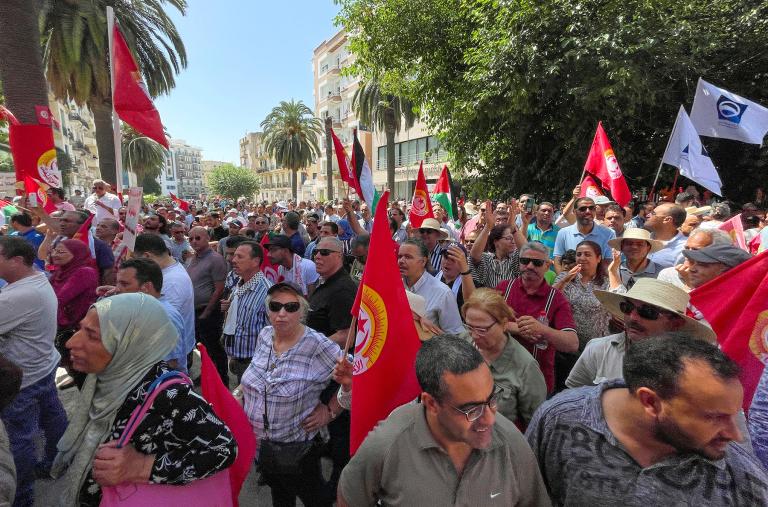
(724, 254)
(280, 241)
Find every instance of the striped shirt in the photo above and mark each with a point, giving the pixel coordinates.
(251, 317)
(435, 258)
(293, 382)
(547, 238)
(490, 271)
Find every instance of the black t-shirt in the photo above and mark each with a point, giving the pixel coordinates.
(219, 233)
(330, 304)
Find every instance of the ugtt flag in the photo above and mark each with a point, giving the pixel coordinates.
(421, 205)
(386, 343)
(602, 164)
(741, 324)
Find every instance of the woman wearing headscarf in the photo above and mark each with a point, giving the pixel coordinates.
(120, 345)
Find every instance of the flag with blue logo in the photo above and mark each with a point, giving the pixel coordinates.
(686, 152)
(719, 113)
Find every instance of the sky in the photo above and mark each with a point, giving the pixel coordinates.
(244, 57)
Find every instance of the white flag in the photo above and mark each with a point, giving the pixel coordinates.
(720, 113)
(686, 152)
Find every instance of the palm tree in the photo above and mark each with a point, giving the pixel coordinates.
(291, 134)
(21, 67)
(387, 112)
(141, 155)
(76, 51)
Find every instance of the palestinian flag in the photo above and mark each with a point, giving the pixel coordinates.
(445, 194)
(363, 173)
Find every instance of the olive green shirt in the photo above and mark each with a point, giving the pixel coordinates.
(400, 463)
(522, 384)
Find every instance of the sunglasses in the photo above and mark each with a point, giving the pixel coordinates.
(426, 231)
(648, 312)
(524, 261)
(291, 307)
(585, 208)
(325, 252)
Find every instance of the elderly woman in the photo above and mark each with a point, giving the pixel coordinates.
(592, 319)
(514, 370)
(291, 366)
(120, 345)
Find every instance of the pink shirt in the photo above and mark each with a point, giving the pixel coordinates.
(65, 206)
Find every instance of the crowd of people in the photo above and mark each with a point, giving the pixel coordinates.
(562, 362)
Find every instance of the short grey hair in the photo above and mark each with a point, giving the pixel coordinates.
(444, 353)
(720, 210)
(303, 304)
(336, 242)
(536, 246)
(716, 236)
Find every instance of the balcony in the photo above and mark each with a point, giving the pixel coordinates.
(329, 70)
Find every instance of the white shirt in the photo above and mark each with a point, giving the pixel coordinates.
(309, 274)
(111, 201)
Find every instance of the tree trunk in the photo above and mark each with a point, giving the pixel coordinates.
(105, 141)
(21, 61)
(295, 184)
(329, 157)
(390, 130)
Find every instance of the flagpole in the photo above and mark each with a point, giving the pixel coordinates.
(661, 163)
(116, 133)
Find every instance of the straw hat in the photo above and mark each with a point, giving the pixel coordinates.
(662, 295)
(418, 306)
(431, 223)
(636, 233)
(693, 210)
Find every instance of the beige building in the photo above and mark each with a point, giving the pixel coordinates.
(275, 181)
(183, 171)
(333, 94)
(208, 167)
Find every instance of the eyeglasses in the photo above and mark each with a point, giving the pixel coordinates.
(291, 307)
(646, 311)
(582, 209)
(510, 238)
(325, 252)
(258, 222)
(476, 412)
(477, 329)
(426, 231)
(524, 261)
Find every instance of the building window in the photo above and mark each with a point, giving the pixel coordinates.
(411, 152)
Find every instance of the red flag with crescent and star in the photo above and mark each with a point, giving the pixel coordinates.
(602, 164)
(421, 204)
(386, 343)
(741, 324)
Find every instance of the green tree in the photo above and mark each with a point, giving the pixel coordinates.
(386, 111)
(291, 134)
(64, 162)
(515, 89)
(141, 155)
(150, 185)
(76, 52)
(232, 182)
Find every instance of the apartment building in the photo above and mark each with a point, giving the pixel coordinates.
(74, 132)
(183, 171)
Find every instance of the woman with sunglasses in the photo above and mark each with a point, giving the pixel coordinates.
(516, 373)
(592, 319)
(291, 366)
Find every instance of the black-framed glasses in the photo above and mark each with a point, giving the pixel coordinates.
(325, 252)
(524, 261)
(291, 307)
(475, 412)
(478, 329)
(582, 209)
(646, 311)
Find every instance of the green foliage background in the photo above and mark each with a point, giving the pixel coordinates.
(232, 182)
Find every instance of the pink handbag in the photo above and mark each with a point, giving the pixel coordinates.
(214, 491)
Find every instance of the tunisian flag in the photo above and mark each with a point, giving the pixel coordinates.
(270, 270)
(130, 98)
(421, 205)
(386, 343)
(602, 164)
(228, 409)
(181, 203)
(741, 324)
(590, 188)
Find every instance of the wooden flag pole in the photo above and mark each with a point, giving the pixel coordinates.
(351, 332)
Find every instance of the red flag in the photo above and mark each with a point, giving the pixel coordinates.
(130, 98)
(735, 229)
(602, 164)
(34, 156)
(346, 169)
(742, 323)
(386, 340)
(37, 194)
(421, 205)
(181, 203)
(228, 409)
(82, 232)
(270, 270)
(590, 188)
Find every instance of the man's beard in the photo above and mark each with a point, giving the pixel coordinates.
(668, 431)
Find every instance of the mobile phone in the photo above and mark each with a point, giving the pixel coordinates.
(529, 204)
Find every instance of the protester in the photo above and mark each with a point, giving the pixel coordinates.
(663, 224)
(359, 252)
(244, 309)
(431, 234)
(107, 231)
(543, 229)
(292, 267)
(179, 246)
(312, 224)
(455, 273)
(21, 223)
(290, 228)
(650, 307)
(215, 230)
(120, 345)
(500, 262)
(450, 449)
(642, 211)
(585, 228)
(653, 437)
(692, 221)
(719, 214)
(397, 223)
(10, 383)
(758, 420)
(678, 275)
(77, 200)
(709, 262)
(614, 219)
(544, 320)
(291, 366)
(630, 261)
(442, 309)
(101, 203)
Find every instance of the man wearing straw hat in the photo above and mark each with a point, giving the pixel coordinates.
(649, 308)
(635, 245)
(432, 234)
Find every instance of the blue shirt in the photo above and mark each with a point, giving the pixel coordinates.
(569, 237)
(251, 317)
(758, 420)
(667, 256)
(297, 244)
(179, 352)
(34, 238)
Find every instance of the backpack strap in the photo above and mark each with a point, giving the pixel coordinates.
(155, 388)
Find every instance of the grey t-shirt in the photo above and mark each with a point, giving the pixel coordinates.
(583, 464)
(28, 326)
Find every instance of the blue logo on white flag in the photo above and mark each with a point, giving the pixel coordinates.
(685, 151)
(729, 110)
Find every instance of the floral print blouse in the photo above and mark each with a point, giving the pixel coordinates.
(591, 317)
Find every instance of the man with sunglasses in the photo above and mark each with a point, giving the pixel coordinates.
(649, 308)
(450, 449)
(544, 318)
(102, 203)
(292, 267)
(585, 228)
